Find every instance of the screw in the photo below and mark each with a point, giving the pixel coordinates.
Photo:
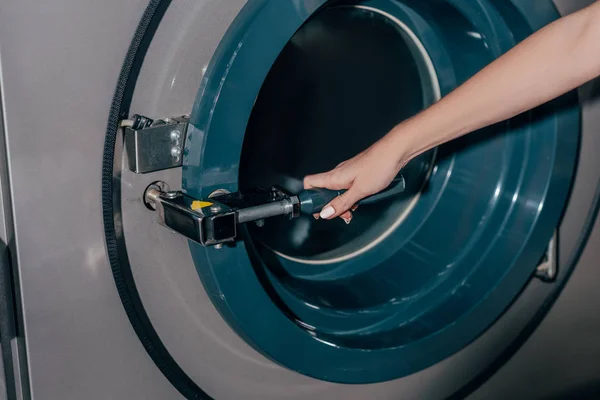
(176, 151)
(217, 193)
(218, 246)
(171, 195)
(260, 223)
(215, 209)
(175, 135)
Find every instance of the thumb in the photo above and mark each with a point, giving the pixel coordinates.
(341, 204)
(326, 180)
(316, 180)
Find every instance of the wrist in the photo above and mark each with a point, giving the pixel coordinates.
(410, 140)
(425, 131)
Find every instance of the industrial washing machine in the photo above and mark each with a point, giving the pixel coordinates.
(134, 130)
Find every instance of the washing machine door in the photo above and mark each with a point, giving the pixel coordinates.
(415, 286)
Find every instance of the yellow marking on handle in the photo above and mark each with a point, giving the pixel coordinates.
(198, 205)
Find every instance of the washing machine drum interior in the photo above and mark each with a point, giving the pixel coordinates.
(296, 88)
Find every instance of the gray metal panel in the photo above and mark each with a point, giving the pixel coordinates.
(203, 344)
(15, 373)
(61, 60)
(561, 360)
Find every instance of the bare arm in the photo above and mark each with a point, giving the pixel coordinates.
(551, 62)
(556, 59)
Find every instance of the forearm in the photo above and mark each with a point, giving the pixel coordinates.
(551, 62)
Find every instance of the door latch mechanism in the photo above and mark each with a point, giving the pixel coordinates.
(214, 221)
(157, 145)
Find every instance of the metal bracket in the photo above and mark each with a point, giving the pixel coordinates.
(157, 146)
(212, 225)
(548, 267)
(213, 222)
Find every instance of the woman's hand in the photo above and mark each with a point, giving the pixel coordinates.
(363, 175)
(554, 60)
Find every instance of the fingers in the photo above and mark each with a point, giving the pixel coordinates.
(341, 204)
(347, 217)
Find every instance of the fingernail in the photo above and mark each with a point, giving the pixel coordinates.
(327, 212)
(347, 220)
(316, 216)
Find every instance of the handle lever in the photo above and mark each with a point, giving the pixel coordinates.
(312, 201)
(214, 222)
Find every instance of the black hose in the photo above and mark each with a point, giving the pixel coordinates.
(119, 260)
(117, 252)
(8, 329)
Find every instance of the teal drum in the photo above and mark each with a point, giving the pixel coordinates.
(299, 86)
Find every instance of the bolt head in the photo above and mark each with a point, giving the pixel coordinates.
(176, 151)
(175, 135)
(218, 246)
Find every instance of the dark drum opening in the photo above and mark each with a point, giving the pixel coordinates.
(347, 77)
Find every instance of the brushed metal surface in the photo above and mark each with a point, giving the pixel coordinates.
(12, 363)
(200, 341)
(60, 62)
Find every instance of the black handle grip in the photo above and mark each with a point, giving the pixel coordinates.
(312, 201)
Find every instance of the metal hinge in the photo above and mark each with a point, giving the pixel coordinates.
(548, 267)
(155, 145)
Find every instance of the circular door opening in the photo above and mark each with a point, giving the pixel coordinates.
(347, 77)
(292, 91)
